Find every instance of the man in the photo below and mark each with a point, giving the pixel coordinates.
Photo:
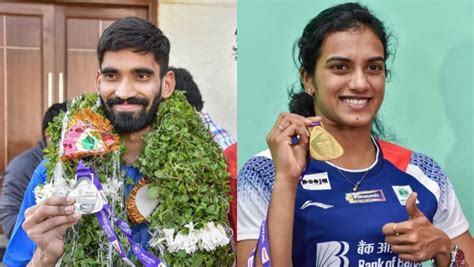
(133, 78)
(18, 173)
(185, 82)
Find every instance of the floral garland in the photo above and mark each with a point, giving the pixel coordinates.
(188, 176)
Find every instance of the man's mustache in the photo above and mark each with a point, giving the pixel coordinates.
(131, 101)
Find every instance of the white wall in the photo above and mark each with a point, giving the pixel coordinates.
(201, 33)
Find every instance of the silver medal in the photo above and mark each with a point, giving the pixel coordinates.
(87, 197)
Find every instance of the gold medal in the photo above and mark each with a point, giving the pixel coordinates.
(322, 145)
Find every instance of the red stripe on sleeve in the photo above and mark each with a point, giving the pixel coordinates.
(397, 155)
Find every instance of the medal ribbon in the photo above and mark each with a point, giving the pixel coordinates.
(263, 245)
(263, 248)
(145, 257)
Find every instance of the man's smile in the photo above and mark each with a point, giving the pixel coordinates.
(127, 107)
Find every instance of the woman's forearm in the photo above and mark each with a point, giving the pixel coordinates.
(280, 222)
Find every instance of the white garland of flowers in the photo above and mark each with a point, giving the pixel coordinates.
(208, 238)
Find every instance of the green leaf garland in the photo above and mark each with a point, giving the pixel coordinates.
(189, 178)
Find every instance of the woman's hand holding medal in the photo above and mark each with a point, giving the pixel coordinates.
(46, 223)
(289, 158)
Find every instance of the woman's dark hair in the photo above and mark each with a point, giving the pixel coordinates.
(137, 34)
(338, 18)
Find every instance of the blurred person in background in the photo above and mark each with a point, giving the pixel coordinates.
(19, 171)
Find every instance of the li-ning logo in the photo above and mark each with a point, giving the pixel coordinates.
(315, 204)
(332, 254)
(317, 181)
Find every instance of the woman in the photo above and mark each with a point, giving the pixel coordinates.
(357, 209)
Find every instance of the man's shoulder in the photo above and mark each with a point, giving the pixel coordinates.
(40, 173)
(223, 137)
(28, 160)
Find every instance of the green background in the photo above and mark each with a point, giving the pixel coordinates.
(428, 100)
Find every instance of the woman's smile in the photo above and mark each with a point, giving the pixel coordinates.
(356, 102)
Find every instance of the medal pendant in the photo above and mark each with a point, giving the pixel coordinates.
(87, 197)
(323, 146)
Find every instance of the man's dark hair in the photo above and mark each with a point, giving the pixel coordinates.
(139, 35)
(185, 82)
(52, 112)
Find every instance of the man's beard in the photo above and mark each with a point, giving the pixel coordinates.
(125, 122)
